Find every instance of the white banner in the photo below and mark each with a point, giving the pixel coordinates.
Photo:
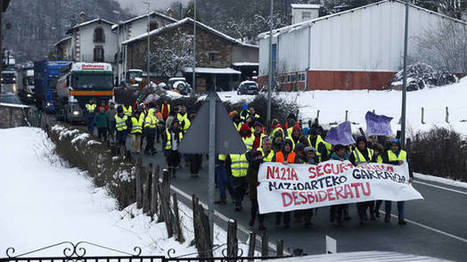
(297, 186)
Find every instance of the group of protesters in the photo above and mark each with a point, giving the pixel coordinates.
(237, 174)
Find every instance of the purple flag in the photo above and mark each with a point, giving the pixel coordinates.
(379, 125)
(340, 135)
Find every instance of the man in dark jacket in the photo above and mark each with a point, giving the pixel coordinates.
(318, 143)
(102, 122)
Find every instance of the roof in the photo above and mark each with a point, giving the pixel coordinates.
(245, 64)
(210, 70)
(97, 20)
(366, 256)
(305, 6)
(144, 16)
(63, 40)
(191, 21)
(311, 22)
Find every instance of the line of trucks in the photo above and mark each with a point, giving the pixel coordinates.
(63, 88)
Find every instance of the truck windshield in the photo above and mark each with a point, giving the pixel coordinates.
(8, 78)
(30, 81)
(133, 75)
(94, 81)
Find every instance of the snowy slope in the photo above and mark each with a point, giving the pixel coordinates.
(333, 104)
(43, 202)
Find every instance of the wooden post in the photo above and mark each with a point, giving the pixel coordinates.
(139, 197)
(202, 233)
(146, 190)
(178, 224)
(447, 115)
(164, 196)
(252, 245)
(423, 115)
(154, 193)
(232, 240)
(346, 115)
(373, 111)
(280, 248)
(264, 245)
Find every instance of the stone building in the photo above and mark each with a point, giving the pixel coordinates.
(216, 53)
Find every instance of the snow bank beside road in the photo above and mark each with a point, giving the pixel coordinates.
(45, 203)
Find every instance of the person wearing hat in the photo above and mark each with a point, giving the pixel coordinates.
(90, 112)
(360, 156)
(237, 122)
(319, 144)
(340, 213)
(285, 156)
(102, 122)
(244, 112)
(397, 156)
(150, 127)
(173, 138)
(258, 134)
(300, 153)
(276, 127)
(379, 158)
(310, 159)
(277, 141)
(165, 109)
(252, 113)
(121, 126)
(247, 137)
(295, 135)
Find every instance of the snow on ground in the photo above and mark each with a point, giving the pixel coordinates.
(441, 180)
(43, 202)
(333, 104)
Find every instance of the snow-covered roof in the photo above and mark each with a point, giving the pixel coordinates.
(191, 21)
(210, 70)
(97, 20)
(308, 23)
(63, 40)
(144, 16)
(305, 6)
(245, 64)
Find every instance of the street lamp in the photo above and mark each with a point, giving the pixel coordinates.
(404, 81)
(148, 78)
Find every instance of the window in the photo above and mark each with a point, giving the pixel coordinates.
(153, 26)
(98, 54)
(99, 36)
(212, 56)
(306, 16)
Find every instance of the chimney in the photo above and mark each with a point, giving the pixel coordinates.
(82, 17)
(170, 12)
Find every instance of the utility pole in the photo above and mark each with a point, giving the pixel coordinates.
(271, 71)
(194, 48)
(1, 41)
(404, 82)
(148, 55)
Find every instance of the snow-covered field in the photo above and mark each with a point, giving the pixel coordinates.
(43, 202)
(333, 104)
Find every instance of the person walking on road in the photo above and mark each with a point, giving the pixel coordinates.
(340, 213)
(102, 122)
(136, 127)
(111, 112)
(165, 110)
(397, 156)
(173, 137)
(237, 165)
(91, 112)
(122, 127)
(223, 180)
(150, 126)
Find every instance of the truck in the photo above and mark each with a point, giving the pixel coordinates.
(79, 83)
(8, 75)
(46, 74)
(26, 83)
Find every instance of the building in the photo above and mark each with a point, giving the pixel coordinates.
(135, 27)
(360, 48)
(216, 54)
(62, 49)
(91, 41)
(304, 12)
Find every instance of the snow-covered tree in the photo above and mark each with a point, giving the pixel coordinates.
(173, 52)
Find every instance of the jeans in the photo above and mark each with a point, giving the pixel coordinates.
(90, 123)
(400, 208)
(223, 182)
(121, 137)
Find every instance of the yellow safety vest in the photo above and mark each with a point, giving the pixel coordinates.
(168, 145)
(137, 124)
(277, 129)
(222, 157)
(184, 121)
(127, 111)
(120, 123)
(401, 157)
(151, 119)
(91, 108)
(379, 159)
(319, 140)
(359, 158)
(239, 165)
(249, 142)
(269, 157)
(239, 126)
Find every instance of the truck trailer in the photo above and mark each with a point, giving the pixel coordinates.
(46, 74)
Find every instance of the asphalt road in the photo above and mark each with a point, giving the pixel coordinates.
(437, 225)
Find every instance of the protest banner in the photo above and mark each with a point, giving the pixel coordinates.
(296, 186)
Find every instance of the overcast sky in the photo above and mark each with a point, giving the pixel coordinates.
(138, 7)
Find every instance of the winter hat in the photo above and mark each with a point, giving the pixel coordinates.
(278, 133)
(245, 128)
(310, 148)
(233, 113)
(299, 147)
(360, 138)
(288, 141)
(296, 127)
(313, 131)
(338, 147)
(258, 124)
(244, 107)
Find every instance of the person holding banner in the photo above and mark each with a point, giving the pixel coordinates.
(379, 157)
(397, 156)
(285, 156)
(337, 211)
(311, 159)
(360, 156)
(317, 142)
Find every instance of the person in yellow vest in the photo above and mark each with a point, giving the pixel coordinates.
(128, 110)
(379, 155)
(360, 156)
(237, 165)
(122, 129)
(255, 158)
(165, 110)
(136, 131)
(90, 112)
(173, 138)
(183, 119)
(223, 180)
(319, 144)
(295, 135)
(237, 122)
(259, 135)
(397, 156)
(252, 113)
(247, 137)
(150, 129)
(276, 127)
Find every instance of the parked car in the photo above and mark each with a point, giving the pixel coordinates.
(179, 84)
(248, 88)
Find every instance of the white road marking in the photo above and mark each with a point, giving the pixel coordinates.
(440, 187)
(430, 228)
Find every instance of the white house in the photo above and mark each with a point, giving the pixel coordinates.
(135, 27)
(63, 48)
(93, 41)
(304, 12)
(360, 48)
